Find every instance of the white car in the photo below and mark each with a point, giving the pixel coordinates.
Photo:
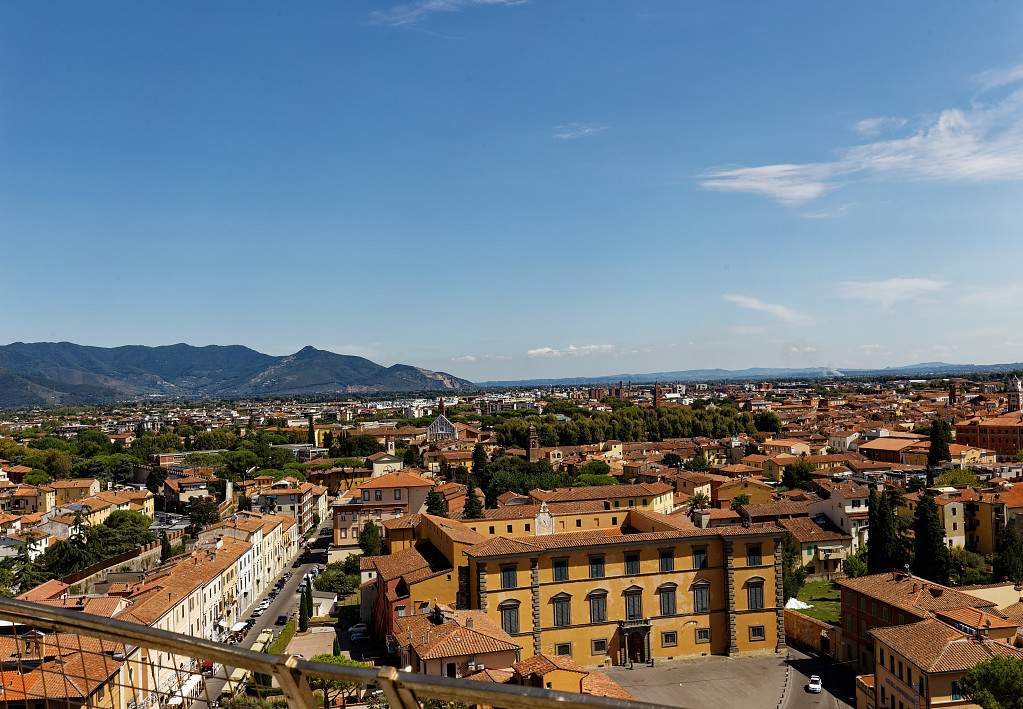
(815, 685)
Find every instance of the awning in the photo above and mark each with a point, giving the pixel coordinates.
(238, 627)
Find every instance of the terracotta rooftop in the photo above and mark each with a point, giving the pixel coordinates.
(912, 594)
(937, 647)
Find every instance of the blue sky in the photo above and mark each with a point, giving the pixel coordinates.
(509, 189)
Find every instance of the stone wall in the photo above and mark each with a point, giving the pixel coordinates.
(808, 633)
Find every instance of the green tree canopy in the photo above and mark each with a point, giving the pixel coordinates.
(1008, 562)
(595, 468)
(793, 575)
(739, 500)
(957, 477)
(436, 504)
(930, 558)
(672, 460)
(941, 435)
(473, 509)
(996, 683)
(37, 477)
(369, 539)
(797, 475)
(202, 511)
(336, 691)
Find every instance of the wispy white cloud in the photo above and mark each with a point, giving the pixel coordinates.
(871, 348)
(788, 184)
(747, 329)
(873, 127)
(828, 212)
(889, 291)
(782, 312)
(466, 359)
(993, 295)
(575, 131)
(410, 13)
(570, 351)
(982, 143)
(997, 78)
(801, 349)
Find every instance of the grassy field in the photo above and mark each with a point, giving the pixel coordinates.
(825, 598)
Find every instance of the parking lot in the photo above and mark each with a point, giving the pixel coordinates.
(718, 682)
(736, 683)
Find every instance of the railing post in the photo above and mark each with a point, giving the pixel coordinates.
(294, 684)
(398, 697)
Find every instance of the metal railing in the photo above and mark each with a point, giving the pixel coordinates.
(93, 661)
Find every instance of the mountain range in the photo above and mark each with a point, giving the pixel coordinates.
(921, 370)
(51, 373)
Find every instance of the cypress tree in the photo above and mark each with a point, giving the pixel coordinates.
(875, 544)
(165, 548)
(931, 558)
(473, 508)
(479, 464)
(303, 617)
(940, 435)
(307, 598)
(336, 650)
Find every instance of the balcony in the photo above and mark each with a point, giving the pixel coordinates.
(835, 553)
(66, 659)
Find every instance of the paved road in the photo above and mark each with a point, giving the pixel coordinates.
(839, 691)
(286, 603)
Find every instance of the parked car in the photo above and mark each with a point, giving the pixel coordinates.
(358, 628)
(281, 620)
(815, 685)
(358, 637)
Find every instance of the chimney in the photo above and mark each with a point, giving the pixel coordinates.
(701, 518)
(468, 623)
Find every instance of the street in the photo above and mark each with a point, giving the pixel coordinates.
(838, 683)
(286, 603)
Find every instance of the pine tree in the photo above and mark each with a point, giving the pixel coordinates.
(473, 508)
(165, 548)
(930, 559)
(436, 505)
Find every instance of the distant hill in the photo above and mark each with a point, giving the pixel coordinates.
(50, 373)
(921, 370)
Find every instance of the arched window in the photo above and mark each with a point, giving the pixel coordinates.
(509, 616)
(562, 610)
(755, 593)
(701, 597)
(598, 606)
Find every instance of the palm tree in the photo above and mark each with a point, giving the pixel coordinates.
(698, 501)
